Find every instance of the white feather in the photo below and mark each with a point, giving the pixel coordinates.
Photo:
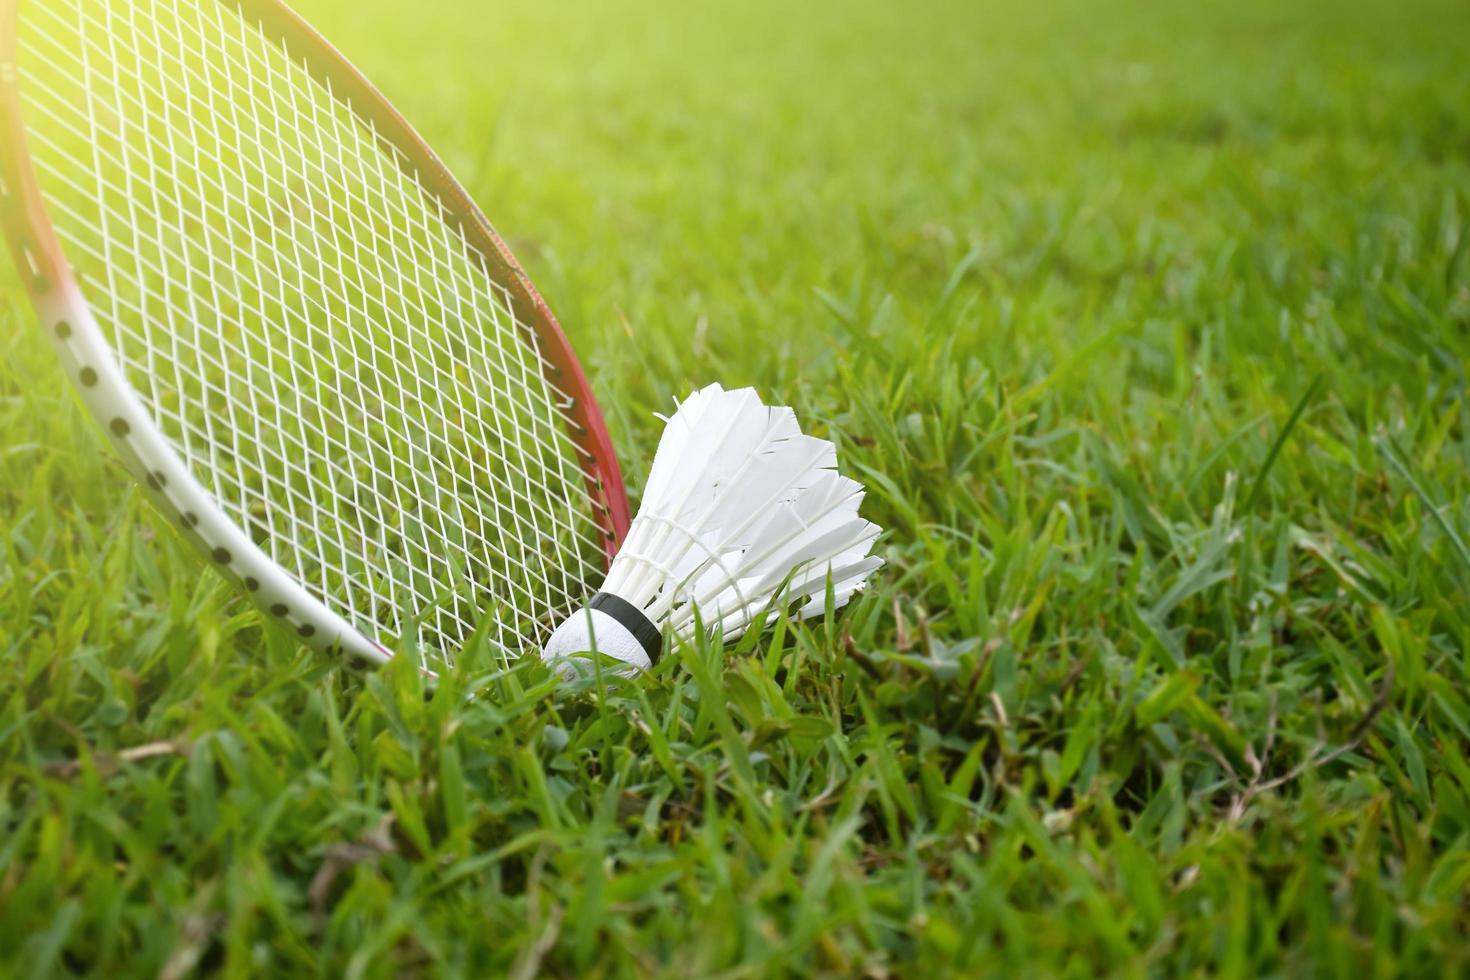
(741, 512)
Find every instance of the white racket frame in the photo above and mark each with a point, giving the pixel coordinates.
(92, 366)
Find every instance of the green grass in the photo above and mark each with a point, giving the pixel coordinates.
(1148, 329)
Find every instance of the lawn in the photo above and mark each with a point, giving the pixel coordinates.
(1146, 325)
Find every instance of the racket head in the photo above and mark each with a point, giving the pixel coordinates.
(325, 596)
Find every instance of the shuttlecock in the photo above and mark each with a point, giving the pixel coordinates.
(741, 512)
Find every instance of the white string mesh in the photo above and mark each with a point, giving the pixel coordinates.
(306, 325)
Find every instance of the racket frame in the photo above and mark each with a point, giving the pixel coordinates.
(91, 363)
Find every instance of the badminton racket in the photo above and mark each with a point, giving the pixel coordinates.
(298, 331)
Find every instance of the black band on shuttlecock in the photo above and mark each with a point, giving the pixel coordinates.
(631, 618)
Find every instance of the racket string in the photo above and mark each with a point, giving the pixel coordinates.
(318, 340)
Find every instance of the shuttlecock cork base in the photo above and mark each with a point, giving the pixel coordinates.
(741, 512)
(609, 625)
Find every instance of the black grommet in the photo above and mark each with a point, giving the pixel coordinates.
(63, 329)
(222, 555)
(251, 584)
(120, 427)
(189, 518)
(306, 629)
(88, 377)
(278, 610)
